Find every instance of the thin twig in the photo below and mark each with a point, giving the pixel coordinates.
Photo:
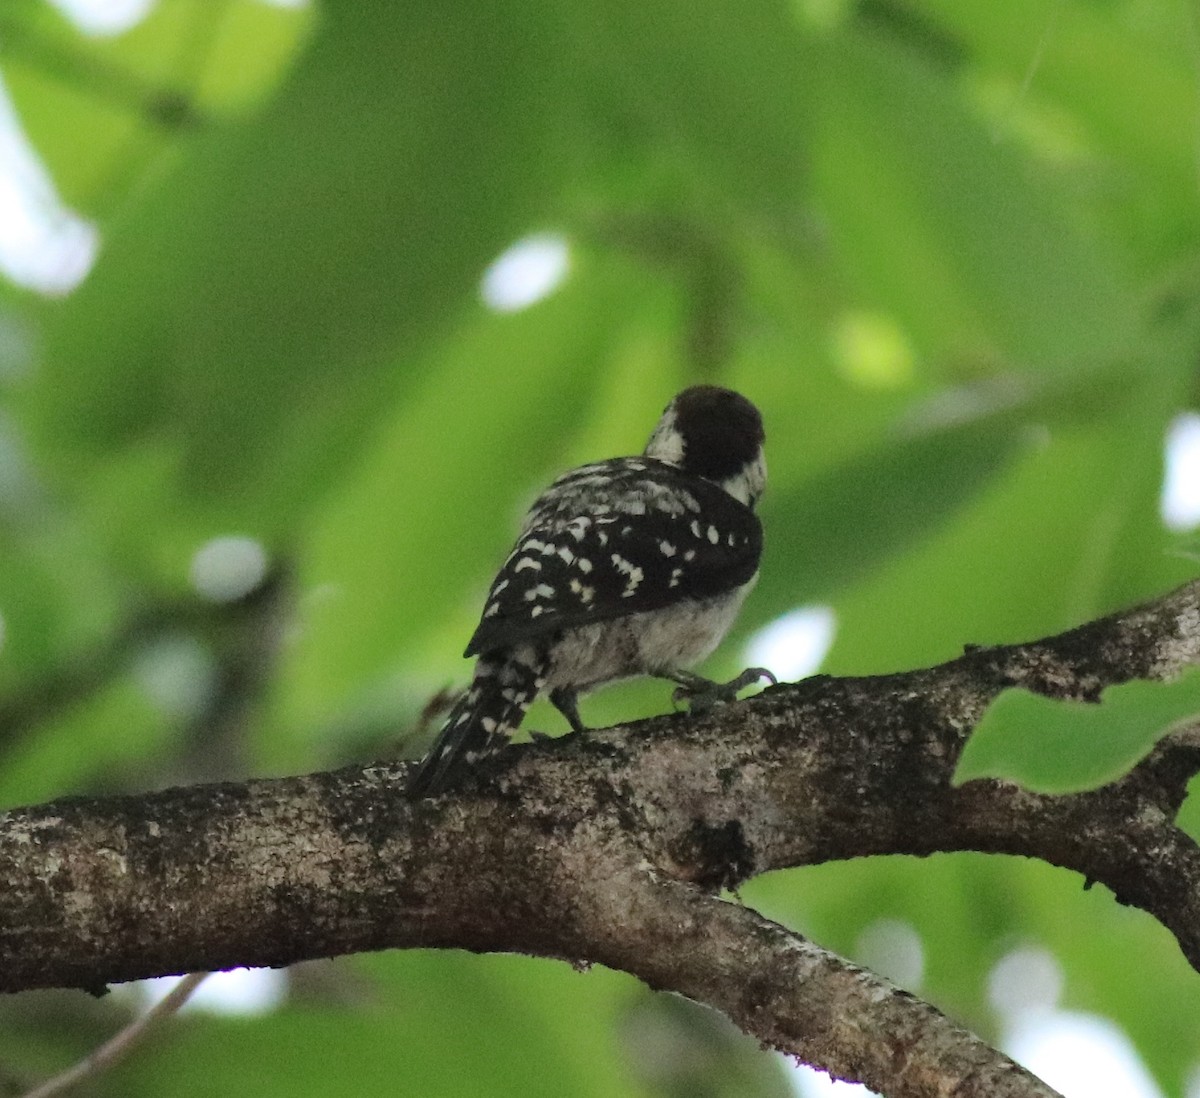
(121, 1044)
(1035, 63)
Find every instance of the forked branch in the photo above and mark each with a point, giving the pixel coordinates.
(610, 847)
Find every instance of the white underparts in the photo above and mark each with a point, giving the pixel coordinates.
(670, 638)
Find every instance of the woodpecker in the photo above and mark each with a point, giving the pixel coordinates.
(626, 567)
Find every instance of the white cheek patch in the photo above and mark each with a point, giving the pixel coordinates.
(666, 444)
(747, 485)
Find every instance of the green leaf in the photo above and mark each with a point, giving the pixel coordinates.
(1054, 746)
(252, 306)
(951, 231)
(828, 532)
(1068, 532)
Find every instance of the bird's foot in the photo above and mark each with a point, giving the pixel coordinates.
(701, 694)
(566, 701)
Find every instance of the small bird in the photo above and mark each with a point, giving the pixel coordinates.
(626, 567)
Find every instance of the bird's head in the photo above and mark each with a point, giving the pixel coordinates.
(717, 434)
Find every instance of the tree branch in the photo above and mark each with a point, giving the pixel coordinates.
(795, 996)
(608, 847)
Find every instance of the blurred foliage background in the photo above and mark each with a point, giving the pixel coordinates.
(952, 250)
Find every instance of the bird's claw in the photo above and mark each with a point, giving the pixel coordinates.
(700, 694)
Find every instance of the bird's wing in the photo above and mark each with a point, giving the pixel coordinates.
(613, 539)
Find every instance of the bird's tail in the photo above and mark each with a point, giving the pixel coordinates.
(484, 718)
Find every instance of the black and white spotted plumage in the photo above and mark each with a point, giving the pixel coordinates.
(632, 566)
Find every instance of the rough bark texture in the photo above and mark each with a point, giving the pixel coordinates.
(610, 847)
